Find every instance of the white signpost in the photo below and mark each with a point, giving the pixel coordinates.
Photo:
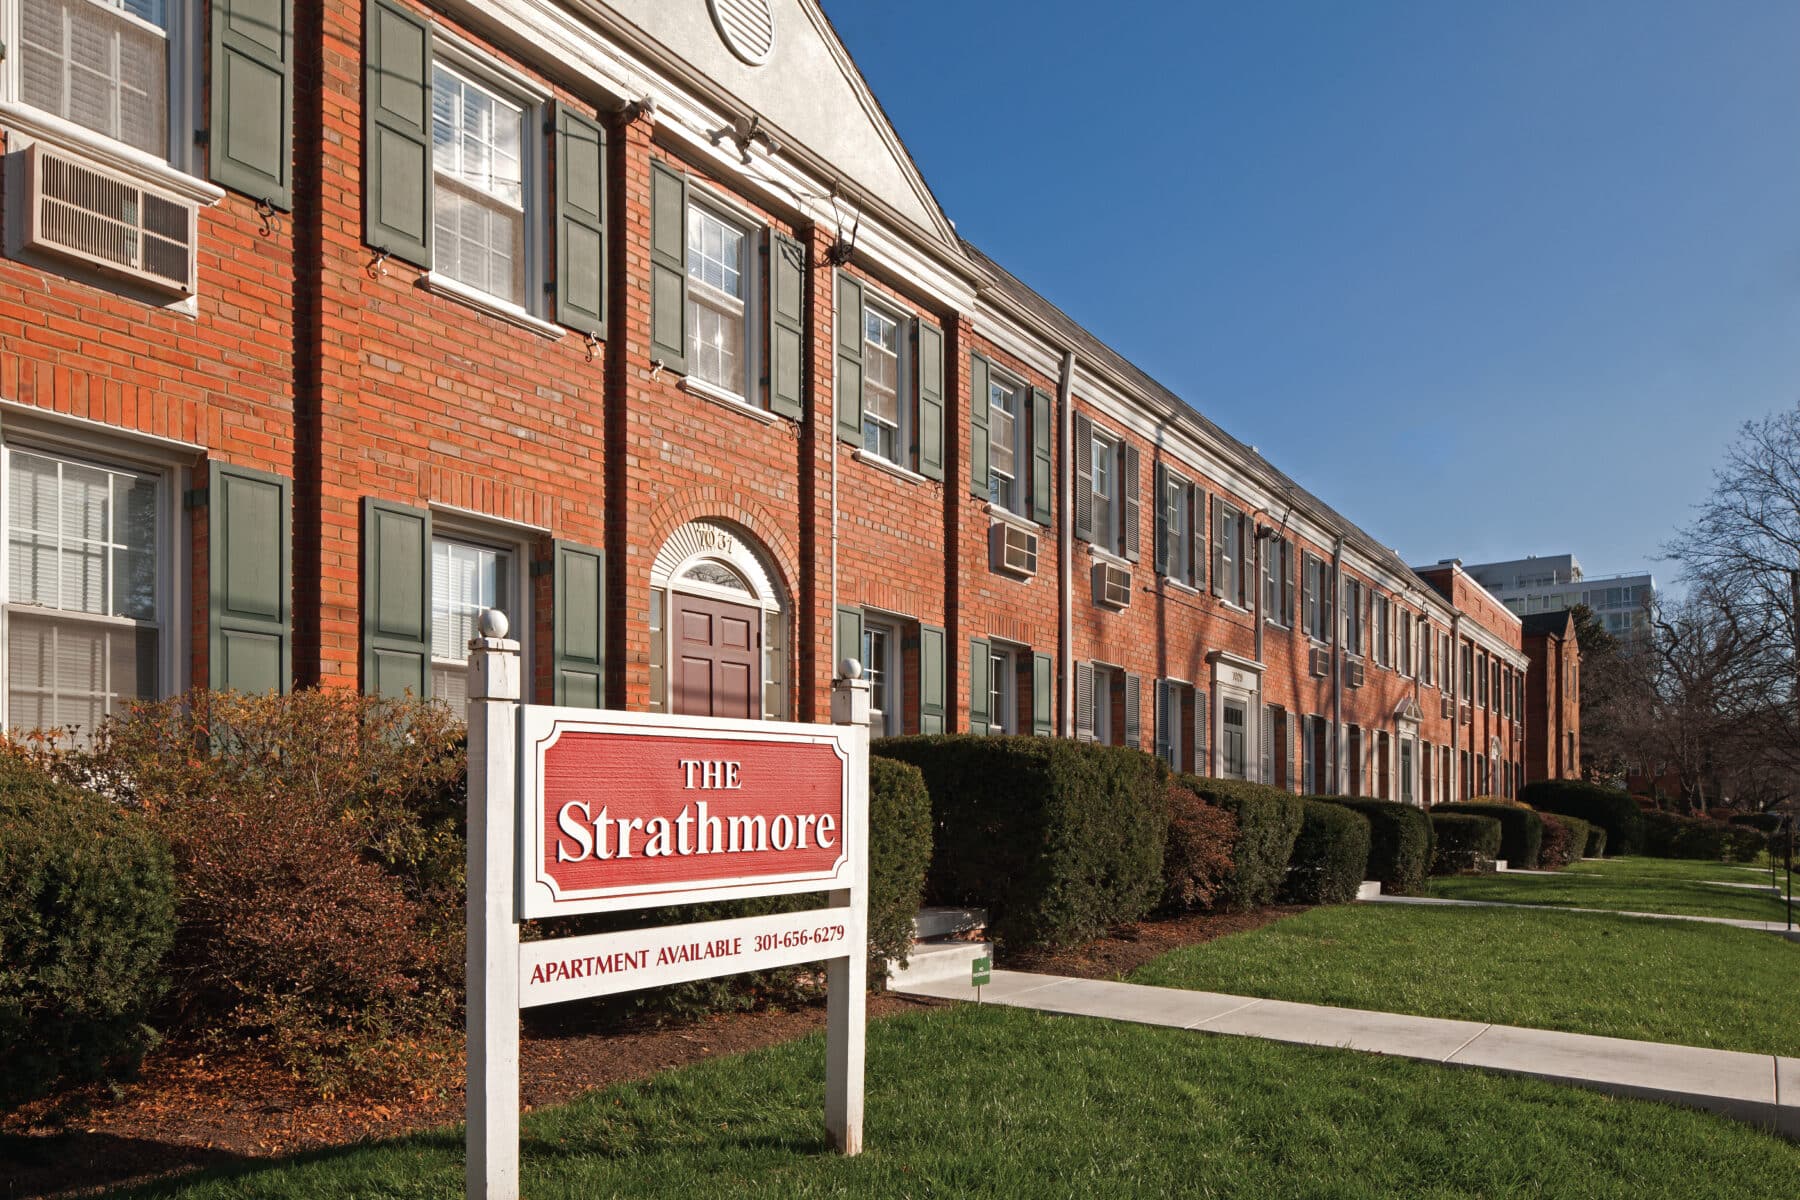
(583, 810)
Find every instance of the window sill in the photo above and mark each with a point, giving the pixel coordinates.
(724, 399)
(1007, 516)
(114, 155)
(888, 465)
(1102, 554)
(1177, 585)
(443, 285)
(1228, 606)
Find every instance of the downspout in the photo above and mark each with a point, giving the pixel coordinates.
(1337, 666)
(1065, 543)
(1456, 684)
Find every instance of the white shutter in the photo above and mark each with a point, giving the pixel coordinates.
(1266, 744)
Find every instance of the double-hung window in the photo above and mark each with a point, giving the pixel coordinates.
(479, 162)
(1317, 585)
(1180, 529)
(1232, 541)
(1353, 617)
(884, 416)
(466, 578)
(1481, 680)
(1383, 611)
(101, 64)
(881, 660)
(1003, 708)
(1106, 491)
(1278, 581)
(718, 292)
(1006, 429)
(86, 606)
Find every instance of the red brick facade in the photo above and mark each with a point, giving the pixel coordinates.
(359, 380)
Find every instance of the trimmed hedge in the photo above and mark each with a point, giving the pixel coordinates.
(1768, 822)
(1268, 821)
(87, 914)
(1400, 842)
(1565, 840)
(1197, 863)
(1060, 840)
(1330, 856)
(1670, 835)
(899, 856)
(1521, 830)
(1596, 846)
(1462, 841)
(1609, 808)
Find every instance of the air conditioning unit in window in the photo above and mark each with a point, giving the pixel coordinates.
(1446, 708)
(1318, 662)
(77, 210)
(1015, 549)
(1112, 585)
(1353, 673)
(1468, 715)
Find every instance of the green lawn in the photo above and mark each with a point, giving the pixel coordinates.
(1657, 885)
(1661, 981)
(1002, 1103)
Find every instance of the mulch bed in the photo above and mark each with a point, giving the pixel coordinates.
(189, 1110)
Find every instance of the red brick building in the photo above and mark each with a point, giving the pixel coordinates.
(1553, 710)
(323, 327)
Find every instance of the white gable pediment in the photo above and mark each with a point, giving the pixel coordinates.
(806, 88)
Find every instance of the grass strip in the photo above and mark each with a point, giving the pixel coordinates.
(1659, 981)
(1625, 885)
(1001, 1103)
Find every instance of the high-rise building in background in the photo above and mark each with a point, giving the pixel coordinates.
(1548, 583)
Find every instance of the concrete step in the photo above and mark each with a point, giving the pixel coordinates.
(1369, 889)
(948, 922)
(933, 962)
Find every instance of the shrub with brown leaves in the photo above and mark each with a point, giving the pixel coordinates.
(1197, 861)
(319, 858)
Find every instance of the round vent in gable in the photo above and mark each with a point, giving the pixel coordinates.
(747, 26)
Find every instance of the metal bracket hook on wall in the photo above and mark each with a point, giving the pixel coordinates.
(270, 217)
(593, 346)
(378, 265)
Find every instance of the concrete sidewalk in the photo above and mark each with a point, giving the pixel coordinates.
(1760, 1089)
(1775, 927)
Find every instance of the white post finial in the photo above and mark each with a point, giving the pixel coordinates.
(493, 660)
(850, 695)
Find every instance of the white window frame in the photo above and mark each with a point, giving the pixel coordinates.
(454, 527)
(1019, 502)
(903, 389)
(1181, 565)
(178, 166)
(1233, 550)
(887, 667)
(1003, 688)
(702, 202)
(1318, 621)
(480, 73)
(1352, 605)
(1278, 600)
(71, 444)
(1103, 690)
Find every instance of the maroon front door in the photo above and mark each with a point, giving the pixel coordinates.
(717, 657)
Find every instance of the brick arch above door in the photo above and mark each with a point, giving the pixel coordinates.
(721, 542)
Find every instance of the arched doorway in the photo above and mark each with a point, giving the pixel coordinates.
(718, 626)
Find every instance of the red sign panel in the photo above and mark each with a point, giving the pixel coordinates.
(643, 813)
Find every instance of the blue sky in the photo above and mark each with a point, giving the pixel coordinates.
(1493, 279)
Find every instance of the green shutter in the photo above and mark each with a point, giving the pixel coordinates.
(668, 266)
(396, 564)
(848, 643)
(580, 222)
(1131, 508)
(847, 399)
(1084, 478)
(397, 133)
(933, 707)
(252, 146)
(1166, 519)
(579, 626)
(931, 400)
(1134, 704)
(980, 685)
(1040, 456)
(1043, 695)
(249, 575)
(787, 326)
(978, 426)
